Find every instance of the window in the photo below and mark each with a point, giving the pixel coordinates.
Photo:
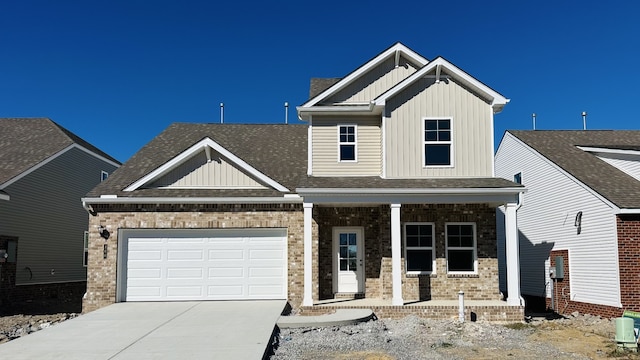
(347, 142)
(517, 178)
(418, 246)
(85, 258)
(437, 142)
(461, 247)
(103, 175)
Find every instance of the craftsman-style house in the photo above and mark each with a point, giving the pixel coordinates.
(386, 194)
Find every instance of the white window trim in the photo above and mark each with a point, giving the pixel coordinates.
(520, 195)
(423, 142)
(103, 175)
(85, 240)
(474, 248)
(433, 248)
(355, 143)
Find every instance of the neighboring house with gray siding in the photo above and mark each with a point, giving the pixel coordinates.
(385, 193)
(44, 171)
(583, 207)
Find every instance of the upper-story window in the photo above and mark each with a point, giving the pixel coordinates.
(103, 175)
(347, 142)
(437, 142)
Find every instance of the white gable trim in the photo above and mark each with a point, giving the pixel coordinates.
(497, 100)
(51, 158)
(199, 146)
(616, 210)
(395, 50)
(605, 150)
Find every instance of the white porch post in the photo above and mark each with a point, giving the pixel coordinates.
(396, 264)
(513, 253)
(307, 299)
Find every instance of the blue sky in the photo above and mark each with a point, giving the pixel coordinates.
(119, 72)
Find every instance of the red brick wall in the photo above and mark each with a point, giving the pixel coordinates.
(629, 260)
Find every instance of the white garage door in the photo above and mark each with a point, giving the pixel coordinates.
(172, 265)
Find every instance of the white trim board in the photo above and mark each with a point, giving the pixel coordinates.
(202, 144)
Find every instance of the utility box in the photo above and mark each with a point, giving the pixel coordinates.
(559, 269)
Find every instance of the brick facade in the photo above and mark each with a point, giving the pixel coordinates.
(375, 221)
(101, 275)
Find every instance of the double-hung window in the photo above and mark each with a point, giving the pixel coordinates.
(347, 142)
(437, 142)
(418, 246)
(461, 247)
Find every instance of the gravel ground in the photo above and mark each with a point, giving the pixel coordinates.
(15, 326)
(576, 337)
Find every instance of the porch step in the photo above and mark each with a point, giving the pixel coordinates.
(339, 318)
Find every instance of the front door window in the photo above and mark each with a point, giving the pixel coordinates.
(348, 260)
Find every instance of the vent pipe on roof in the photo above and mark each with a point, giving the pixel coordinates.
(533, 116)
(584, 120)
(286, 112)
(221, 113)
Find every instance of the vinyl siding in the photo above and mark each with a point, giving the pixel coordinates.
(630, 164)
(325, 147)
(46, 214)
(198, 172)
(471, 123)
(375, 82)
(546, 222)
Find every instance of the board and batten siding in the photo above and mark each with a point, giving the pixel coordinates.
(375, 82)
(546, 222)
(325, 147)
(199, 172)
(472, 127)
(45, 213)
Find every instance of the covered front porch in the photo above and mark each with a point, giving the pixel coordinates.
(409, 252)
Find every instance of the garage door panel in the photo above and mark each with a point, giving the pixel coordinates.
(215, 265)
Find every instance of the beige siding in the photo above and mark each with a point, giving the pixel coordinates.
(325, 147)
(375, 82)
(197, 172)
(471, 116)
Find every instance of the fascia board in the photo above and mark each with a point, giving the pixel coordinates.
(363, 69)
(606, 201)
(363, 109)
(406, 198)
(608, 150)
(185, 155)
(627, 211)
(410, 191)
(4, 196)
(496, 98)
(191, 200)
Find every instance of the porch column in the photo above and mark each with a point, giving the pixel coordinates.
(512, 253)
(307, 299)
(396, 255)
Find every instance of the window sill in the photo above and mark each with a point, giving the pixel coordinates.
(421, 274)
(474, 276)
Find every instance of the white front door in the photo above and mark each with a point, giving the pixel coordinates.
(348, 259)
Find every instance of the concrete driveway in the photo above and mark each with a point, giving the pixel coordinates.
(154, 330)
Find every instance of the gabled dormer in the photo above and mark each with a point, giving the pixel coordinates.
(402, 116)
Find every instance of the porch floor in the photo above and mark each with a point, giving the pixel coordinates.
(475, 310)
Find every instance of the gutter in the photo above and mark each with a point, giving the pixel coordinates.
(114, 199)
(428, 191)
(304, 112)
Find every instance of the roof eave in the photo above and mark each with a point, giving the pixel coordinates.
(305, 113)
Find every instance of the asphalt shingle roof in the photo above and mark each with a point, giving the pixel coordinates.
(25, 142)
(278, 151)
(561, 147)
(375, 182)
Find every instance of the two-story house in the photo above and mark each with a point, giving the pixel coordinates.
(44, 172)
(385, 195)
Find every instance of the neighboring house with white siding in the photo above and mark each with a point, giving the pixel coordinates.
(385, 193)
(582, 205)
(44, 171)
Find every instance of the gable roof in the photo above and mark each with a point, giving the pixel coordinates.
(394, 50)
(27, 142)
(333, 86)
(277, 151)
(561, 147)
